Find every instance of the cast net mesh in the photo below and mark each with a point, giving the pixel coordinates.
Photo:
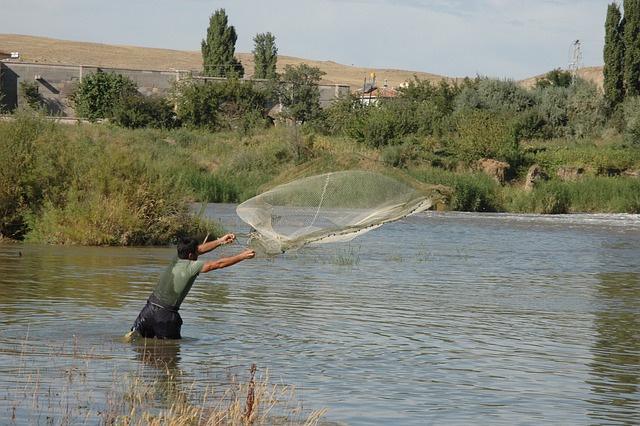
(332, 207)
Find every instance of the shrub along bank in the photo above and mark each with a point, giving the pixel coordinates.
(101, 184)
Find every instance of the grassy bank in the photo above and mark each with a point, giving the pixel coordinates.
(99, 184)
(91, 185)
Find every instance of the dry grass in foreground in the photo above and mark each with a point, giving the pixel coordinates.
(257, 402)
(154, 392)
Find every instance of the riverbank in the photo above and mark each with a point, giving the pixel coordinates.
(98, 184)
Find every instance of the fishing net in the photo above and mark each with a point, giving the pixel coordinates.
(332, 207)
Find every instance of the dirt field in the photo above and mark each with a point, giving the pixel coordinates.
(53, 51)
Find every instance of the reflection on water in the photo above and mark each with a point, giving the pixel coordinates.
(615, 367)
(161, 360)
(163, 355)
(442, 318)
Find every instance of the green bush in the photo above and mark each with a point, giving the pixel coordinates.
(31, 94)
(404, 154)
(486, 134)
(576, 110)
(557, 78)
(221, 105)
(442, 95)
(298, 92)
(388, 123)
(472, 192)
(587, 113)
(137, 111)
(341, 114)
(495, 95)
(94, 185)
(98, 94)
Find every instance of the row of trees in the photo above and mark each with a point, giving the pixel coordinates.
(218, 51)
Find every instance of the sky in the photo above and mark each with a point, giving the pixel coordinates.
(506, 39)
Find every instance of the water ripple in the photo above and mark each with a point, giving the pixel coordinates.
(443, 318)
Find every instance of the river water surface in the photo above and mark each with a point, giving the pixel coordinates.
(440, 318)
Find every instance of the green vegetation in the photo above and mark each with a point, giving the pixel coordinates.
(114, 97)
(613, 58)
(103, 184)
(30, 93)
(92, 185)
(132, 179)
(98, 94)
(221, 105)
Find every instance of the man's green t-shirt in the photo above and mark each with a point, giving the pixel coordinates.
(176, 281)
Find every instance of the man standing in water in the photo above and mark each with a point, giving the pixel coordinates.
(160, 317)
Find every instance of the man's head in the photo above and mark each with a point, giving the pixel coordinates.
(188, 248)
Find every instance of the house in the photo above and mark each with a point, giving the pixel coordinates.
(370, 94)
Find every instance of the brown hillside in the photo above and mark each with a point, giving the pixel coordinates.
(588, 73)
(53, 51)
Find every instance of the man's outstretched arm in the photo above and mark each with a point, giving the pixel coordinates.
(228, 261)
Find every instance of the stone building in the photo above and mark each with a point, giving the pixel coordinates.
(55, 84)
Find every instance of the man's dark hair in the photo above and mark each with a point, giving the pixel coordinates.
(187, 246)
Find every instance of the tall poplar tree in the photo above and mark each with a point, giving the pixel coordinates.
(631, 37)
(613, 57)
(218, 50)
(265, 56)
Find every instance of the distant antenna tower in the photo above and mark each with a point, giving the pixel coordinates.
(576, 59)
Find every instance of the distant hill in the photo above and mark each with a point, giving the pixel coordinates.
(54, 51)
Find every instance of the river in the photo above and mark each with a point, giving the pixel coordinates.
(439, 318)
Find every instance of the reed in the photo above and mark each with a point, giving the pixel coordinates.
(605, 194)
(155, 392)
(256, 401)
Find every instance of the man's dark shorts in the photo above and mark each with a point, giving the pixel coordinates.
(158, 320)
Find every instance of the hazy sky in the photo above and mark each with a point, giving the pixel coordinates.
(509, 39)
